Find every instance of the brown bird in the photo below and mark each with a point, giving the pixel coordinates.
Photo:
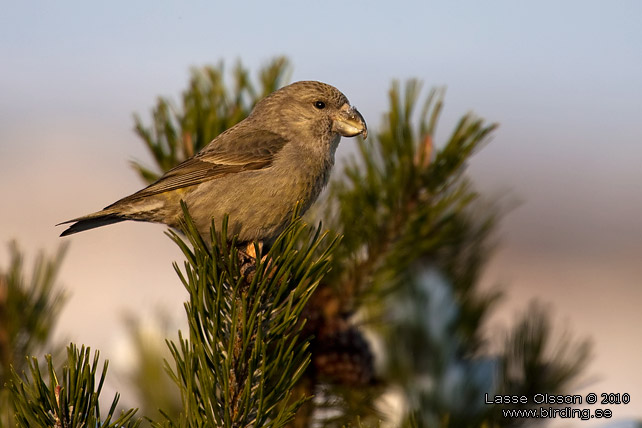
(256, 171)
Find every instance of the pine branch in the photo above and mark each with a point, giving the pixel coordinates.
(396, 204)
(534, 362)
(404, 213)
(67, 401)
(29, 309)
(244, 353)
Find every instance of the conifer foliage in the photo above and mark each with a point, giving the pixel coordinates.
(29, 309)
(244, 353)
(382, 298)
(67, 401)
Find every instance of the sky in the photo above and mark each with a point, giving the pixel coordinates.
(563, 80)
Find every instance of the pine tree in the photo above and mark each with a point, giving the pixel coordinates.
(29, 308)
(244, 353)
(414, 231)
(70, 399)
(321, 328)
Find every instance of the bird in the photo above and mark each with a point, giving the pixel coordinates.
(257, 172)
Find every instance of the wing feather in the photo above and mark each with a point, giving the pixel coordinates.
(230, 153)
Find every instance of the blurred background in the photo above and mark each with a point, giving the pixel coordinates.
(563, 80)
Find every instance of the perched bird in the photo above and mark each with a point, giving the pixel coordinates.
(256, 171)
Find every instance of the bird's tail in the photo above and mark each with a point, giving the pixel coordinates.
(100, 218)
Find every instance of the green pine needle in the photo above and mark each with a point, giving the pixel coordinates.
(67, 400)
(244, 353)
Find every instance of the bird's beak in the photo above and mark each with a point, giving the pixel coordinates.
(349, 122)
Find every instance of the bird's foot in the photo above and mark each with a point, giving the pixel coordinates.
(247, 260)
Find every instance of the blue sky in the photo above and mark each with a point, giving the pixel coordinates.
(563, 79)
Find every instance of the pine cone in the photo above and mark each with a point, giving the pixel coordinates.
(323, 313)
(344, 358)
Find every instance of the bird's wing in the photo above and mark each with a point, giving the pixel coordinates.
(230, 153)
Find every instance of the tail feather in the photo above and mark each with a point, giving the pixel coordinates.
(91, 221)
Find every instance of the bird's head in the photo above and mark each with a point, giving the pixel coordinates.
(313, 107)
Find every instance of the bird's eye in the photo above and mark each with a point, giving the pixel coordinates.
(319, 104)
